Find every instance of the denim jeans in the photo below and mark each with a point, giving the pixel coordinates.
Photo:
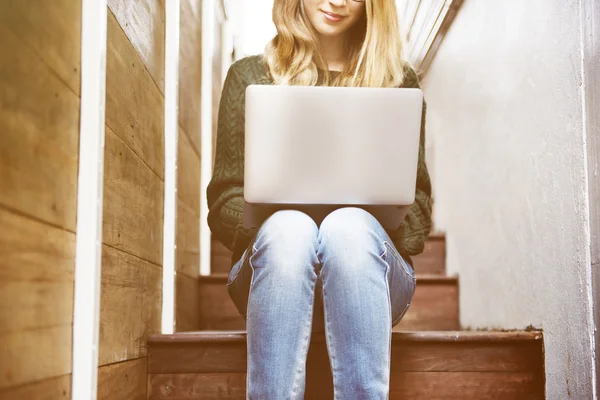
(347, 273)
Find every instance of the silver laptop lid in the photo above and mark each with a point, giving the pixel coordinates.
(331, 145)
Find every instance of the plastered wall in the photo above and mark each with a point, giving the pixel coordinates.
(506, 150)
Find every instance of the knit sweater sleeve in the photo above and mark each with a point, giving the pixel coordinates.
(410, 237)
(225, 191)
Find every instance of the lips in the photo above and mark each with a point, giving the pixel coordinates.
(332, 17)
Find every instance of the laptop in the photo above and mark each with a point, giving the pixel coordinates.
(319, 148)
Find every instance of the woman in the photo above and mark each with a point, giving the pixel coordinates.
(347, 267)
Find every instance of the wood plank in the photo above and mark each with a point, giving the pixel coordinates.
(188, 173)
(52, 30)
(445, 356)
(36, 274)
(443, 351)
(433, 258)
(434, 305)
(134, 104)
(476, 357)
(34, 355)
(407, 385)
(123, 381)
(467, 385)
(130, 307)
(39, 121)
(26, 304)
(48, 389)
(188, 241)
(36, 299)
(197, 386)
(220, 257)
(203, 357)
(217, 310)
(187, 314)
(190, 70)
(446, 385)
(239, 336)
(143, 21)
(133, 202)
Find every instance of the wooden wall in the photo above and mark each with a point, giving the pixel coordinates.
(40, 76)
(39, 133)
(188, 182)
(131, 287)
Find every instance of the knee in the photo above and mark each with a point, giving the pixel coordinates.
(350, 235)
(286, 237)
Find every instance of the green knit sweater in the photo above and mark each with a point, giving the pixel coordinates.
(225, 191)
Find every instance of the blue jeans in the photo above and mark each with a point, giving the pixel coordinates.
(348, 271)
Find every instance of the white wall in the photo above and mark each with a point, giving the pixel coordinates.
(253, 26)
(506, 151)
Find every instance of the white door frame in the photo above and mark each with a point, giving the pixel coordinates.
(171, 131)
(206, 159)
(90, 186)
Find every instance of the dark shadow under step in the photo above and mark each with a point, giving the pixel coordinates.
(431, 262)
(434, 306)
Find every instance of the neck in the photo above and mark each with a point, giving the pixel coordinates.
(333, 51)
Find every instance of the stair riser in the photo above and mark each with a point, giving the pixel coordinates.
(419, 370)
(431, 262)
(434, 307)
(403, 386)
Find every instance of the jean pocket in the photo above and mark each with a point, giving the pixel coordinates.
(397, 318)
(238, 285)
(235, 270)
(402, 283)
(401, 297)
(406, 267)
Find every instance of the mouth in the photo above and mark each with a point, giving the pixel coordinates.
(332, 16)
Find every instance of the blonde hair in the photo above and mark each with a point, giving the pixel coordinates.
(375, 56)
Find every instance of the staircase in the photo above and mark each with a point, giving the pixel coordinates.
(431, 357)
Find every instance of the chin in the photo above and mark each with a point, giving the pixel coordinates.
(329, 30)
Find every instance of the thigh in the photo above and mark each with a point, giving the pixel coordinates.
(401, 276)
(285, 235)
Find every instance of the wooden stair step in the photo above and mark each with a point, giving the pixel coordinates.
(434, 306)
(431, 262)
(425, 365)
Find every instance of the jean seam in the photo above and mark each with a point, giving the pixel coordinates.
(386, 245)
(399, 317)
(387, 285)
(237, 273)
(304, 349)
(400, 260)
(389, 360)
(247, 306)
(384, 251)
(329, 343)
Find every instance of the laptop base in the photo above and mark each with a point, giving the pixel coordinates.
(390, 217)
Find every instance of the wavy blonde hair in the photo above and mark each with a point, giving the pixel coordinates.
(374, 49)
